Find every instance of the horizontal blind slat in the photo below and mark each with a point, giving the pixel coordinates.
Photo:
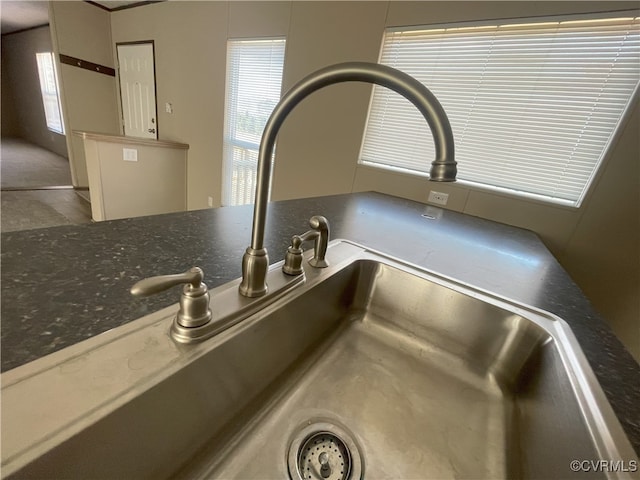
(254, 78)
(532, 107)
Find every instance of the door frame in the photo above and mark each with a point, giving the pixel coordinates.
(155, 82)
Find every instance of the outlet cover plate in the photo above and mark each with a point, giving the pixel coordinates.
(439, 198)
(130, 154)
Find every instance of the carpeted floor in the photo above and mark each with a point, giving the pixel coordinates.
(25, 169)
(26, 165)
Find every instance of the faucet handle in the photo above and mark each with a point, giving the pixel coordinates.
(319, 233)
(194, 301)
(153, 285)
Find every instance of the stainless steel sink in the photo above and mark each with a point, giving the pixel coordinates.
(417, 375)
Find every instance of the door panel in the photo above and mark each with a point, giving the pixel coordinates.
(138, 90)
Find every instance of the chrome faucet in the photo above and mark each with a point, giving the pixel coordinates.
(255, 262)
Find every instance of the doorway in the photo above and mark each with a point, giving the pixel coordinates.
(138, 89)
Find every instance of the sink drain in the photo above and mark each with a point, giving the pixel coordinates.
(324, 456)
(324, 451)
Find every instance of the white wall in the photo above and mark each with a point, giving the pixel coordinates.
(319, 143)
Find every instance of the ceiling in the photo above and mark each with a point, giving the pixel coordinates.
(18, 15)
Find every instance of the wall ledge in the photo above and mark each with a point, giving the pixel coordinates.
(105, 137)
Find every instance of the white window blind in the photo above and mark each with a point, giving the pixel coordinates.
(532, 106)
(49, 88)
(254, 80)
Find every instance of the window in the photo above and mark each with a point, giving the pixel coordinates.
(254, 78)
(533, 106)
(49, 88)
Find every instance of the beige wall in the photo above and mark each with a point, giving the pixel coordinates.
(25, 115)
(190, 52)
(89, 99)
(190, 57)
(603, 252)
(155, 183)
(10, 127)
(319, 143)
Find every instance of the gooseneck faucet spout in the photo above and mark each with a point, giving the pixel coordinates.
(255, 261)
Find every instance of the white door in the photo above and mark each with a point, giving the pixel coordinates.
(138, 90)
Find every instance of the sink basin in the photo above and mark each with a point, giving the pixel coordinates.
(406, 373)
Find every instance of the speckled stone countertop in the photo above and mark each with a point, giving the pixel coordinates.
(62, 285)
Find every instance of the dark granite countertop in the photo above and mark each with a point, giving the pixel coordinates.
(62, 285)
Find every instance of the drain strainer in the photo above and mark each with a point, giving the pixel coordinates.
(324, 456)
(323, 451)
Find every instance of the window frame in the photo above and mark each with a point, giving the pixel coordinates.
(618, 130)
(48, 94)
(229, 141)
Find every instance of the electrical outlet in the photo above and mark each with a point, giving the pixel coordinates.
(130, 154)
(210, 201)
(438, 198)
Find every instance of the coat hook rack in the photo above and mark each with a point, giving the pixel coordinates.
(94, 67)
